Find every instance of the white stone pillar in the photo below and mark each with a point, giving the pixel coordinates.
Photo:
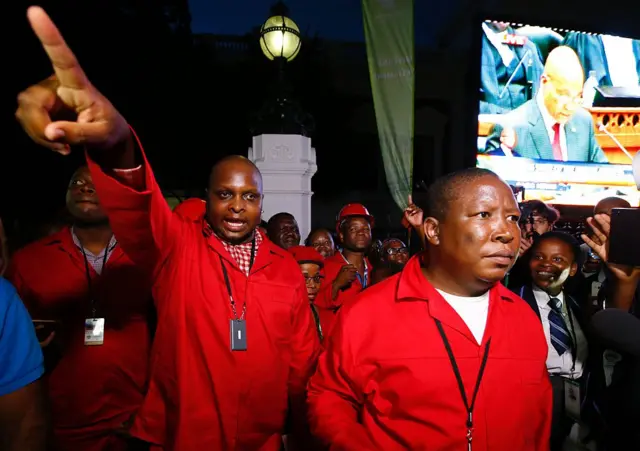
(287, 163)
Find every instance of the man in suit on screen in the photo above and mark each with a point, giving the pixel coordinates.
(553, 125)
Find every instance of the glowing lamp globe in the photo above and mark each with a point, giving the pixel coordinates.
(280, 38)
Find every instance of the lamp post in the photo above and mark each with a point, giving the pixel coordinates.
(281, 146)
(280, 36)
(280, 42)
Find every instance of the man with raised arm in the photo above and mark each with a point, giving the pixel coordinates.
(236, 341)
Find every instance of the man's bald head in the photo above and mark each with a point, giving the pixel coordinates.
(609, 203)
(234, 199)
(235, 163)
(449, 188)
(563, 64)
(561, 83)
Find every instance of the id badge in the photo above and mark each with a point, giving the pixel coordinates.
(238, 328)
(572, 399)
(93, 331)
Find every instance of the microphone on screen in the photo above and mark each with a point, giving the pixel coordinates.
(619, 330)
(604, 130)
(526, 58)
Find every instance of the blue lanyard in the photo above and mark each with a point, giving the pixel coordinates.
(363, 280)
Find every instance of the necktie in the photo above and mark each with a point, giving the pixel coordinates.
(555, 145)
(560, 338)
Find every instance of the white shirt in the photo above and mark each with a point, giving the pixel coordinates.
(497, 40)
(621, 60)
(561, 365)
(472, 310)
(549, 122)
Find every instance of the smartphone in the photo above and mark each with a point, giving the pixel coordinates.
(593, 256)
(44, 328)
(624, 239)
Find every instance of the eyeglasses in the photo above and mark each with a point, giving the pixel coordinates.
(397, 250)
(565, 98)
(315, 279)
(540, 221)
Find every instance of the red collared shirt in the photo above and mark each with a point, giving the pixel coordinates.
(203, 395)
(385, 381)
(92, 389)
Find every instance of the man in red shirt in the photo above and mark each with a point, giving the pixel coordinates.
(78, 273)
(236, 340)
(440, 356)
(348, 272)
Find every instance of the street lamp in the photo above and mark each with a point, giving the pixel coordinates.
(280, 38)
(280, 42)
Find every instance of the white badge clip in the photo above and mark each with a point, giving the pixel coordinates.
(93, 331)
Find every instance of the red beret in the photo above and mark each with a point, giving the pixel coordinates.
(191, 209)
(306, 254)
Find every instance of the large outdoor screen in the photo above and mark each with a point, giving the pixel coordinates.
(559, 112)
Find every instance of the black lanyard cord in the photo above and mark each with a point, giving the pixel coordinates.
(228, 283)
(316, 318)
(90, 288)
(456, 372)
(574, 340)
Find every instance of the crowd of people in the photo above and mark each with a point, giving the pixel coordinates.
(135, 327)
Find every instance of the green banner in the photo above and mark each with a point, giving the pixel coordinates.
(388, 29)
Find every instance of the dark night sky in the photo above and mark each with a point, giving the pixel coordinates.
(331, 19)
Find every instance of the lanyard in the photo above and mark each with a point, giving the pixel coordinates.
(90, 287)
(363, 280)
(316, 317)
(228, 284)
(456, 372)
(574, 341)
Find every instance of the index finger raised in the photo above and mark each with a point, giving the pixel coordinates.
(65, 63)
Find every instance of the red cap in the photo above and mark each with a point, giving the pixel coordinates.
(306, 254)
(191, 209)
(351, 210)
